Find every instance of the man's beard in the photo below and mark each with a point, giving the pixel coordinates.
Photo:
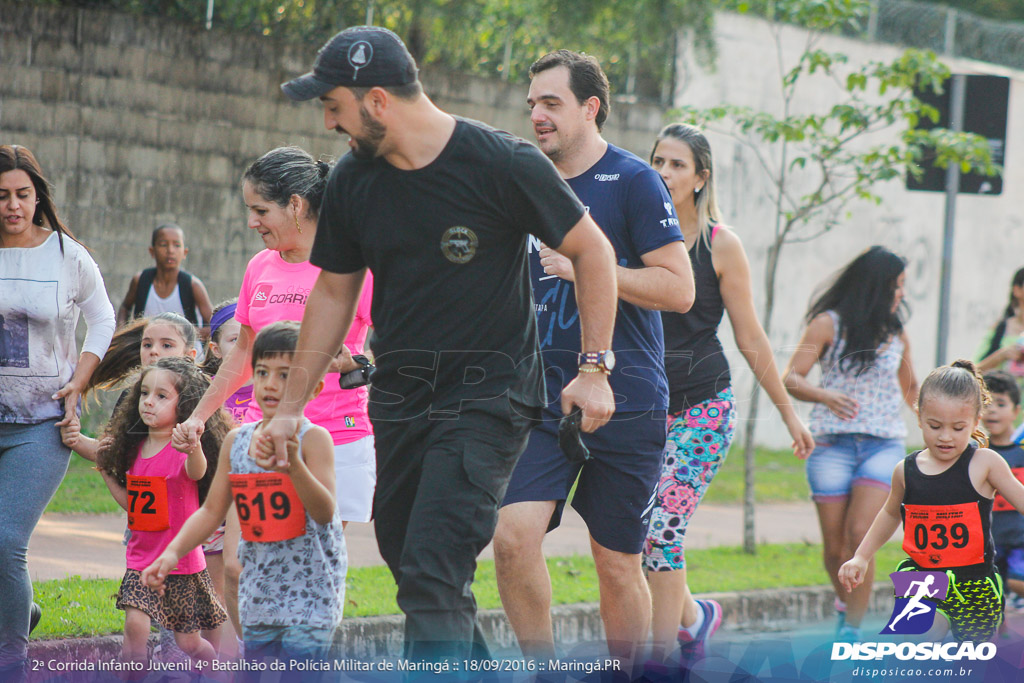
(367, 146)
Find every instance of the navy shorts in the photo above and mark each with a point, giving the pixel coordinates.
(616, 487)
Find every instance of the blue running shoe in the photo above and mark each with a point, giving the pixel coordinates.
(694, 647)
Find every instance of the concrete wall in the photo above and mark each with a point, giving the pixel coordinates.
(138, 121)
(989, 229)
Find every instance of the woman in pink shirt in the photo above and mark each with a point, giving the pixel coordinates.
(282, 191)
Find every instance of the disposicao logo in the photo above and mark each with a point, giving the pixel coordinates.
(914, 611)
(913, 614)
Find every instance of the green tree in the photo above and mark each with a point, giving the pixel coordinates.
(819, 163)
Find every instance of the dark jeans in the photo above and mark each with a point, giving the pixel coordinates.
(439, 483)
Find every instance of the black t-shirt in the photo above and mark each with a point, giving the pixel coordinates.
(452, 308)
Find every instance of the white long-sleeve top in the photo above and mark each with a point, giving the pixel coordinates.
(42, 292)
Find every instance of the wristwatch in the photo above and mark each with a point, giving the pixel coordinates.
(597, 361)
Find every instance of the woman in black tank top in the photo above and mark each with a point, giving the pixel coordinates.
(943, 494)
(701, 418)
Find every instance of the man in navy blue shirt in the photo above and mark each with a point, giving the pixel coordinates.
(568, 100)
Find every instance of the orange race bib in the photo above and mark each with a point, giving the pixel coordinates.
(147, 503)
(268, 507)
(943, 535)
(1000, 504)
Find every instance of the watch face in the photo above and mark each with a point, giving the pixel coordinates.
(609, 360)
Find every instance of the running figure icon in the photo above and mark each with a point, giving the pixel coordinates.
(915, 607)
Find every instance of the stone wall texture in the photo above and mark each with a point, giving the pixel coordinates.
(138, 121)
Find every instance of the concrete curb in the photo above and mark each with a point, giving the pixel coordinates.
(375, 637)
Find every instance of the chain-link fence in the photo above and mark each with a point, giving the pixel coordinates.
(947, 31)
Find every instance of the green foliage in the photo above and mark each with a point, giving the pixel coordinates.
(780, 478)
(828, 152)
(82, 491)
(634, 39)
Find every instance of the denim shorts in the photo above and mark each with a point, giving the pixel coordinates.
(841, 461)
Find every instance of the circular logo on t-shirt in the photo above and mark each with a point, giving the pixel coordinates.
(458, 244)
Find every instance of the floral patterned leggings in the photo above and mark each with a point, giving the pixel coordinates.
(698, 440)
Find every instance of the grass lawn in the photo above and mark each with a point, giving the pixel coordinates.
(79, 607)
(780, 478)
(82, 491)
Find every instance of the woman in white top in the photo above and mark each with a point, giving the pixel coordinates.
(46, 279)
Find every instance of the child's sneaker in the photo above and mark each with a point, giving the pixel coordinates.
(840, 615)
(693, 647)
(849, 634)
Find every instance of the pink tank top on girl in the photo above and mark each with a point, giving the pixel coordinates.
(182, 500)
(273, 290)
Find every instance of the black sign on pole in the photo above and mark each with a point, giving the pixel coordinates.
(985, 113)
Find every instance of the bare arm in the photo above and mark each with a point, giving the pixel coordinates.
(665, 283)
(593, 262)
(330, 308)
(852, 573)
(202, 299)
(195, 462)
(733, 269)
(234, 372)
(120, 493)
(70, 392)
(908, 380)
(312, 473)
(1001, 478)
(124, 311)
(816, 339)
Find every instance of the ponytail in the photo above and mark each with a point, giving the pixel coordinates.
(958, 380)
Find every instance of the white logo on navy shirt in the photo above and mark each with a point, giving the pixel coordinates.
(606, 177)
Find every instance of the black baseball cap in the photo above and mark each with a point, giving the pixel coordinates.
(358, 57)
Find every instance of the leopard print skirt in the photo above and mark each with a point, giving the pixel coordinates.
(189, 603)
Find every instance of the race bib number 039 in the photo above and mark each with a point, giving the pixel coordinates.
(268, 507)
(943, 535)
(147, 503)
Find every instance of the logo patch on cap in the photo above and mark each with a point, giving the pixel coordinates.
(359, 55)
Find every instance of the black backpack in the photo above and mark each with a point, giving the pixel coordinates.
(188, 300)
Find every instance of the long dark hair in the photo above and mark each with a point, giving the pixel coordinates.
(129, 431)
(123, 355)
(18, 158)
(862, 294)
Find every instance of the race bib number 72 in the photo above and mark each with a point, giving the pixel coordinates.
(147, 503)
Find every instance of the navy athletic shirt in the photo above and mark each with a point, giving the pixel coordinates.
(630, 203)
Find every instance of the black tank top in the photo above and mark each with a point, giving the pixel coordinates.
(694, 361)
(947, 524)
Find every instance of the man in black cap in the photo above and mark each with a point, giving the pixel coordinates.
(440, 209)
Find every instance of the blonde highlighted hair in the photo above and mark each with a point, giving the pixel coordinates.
(708, 214)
